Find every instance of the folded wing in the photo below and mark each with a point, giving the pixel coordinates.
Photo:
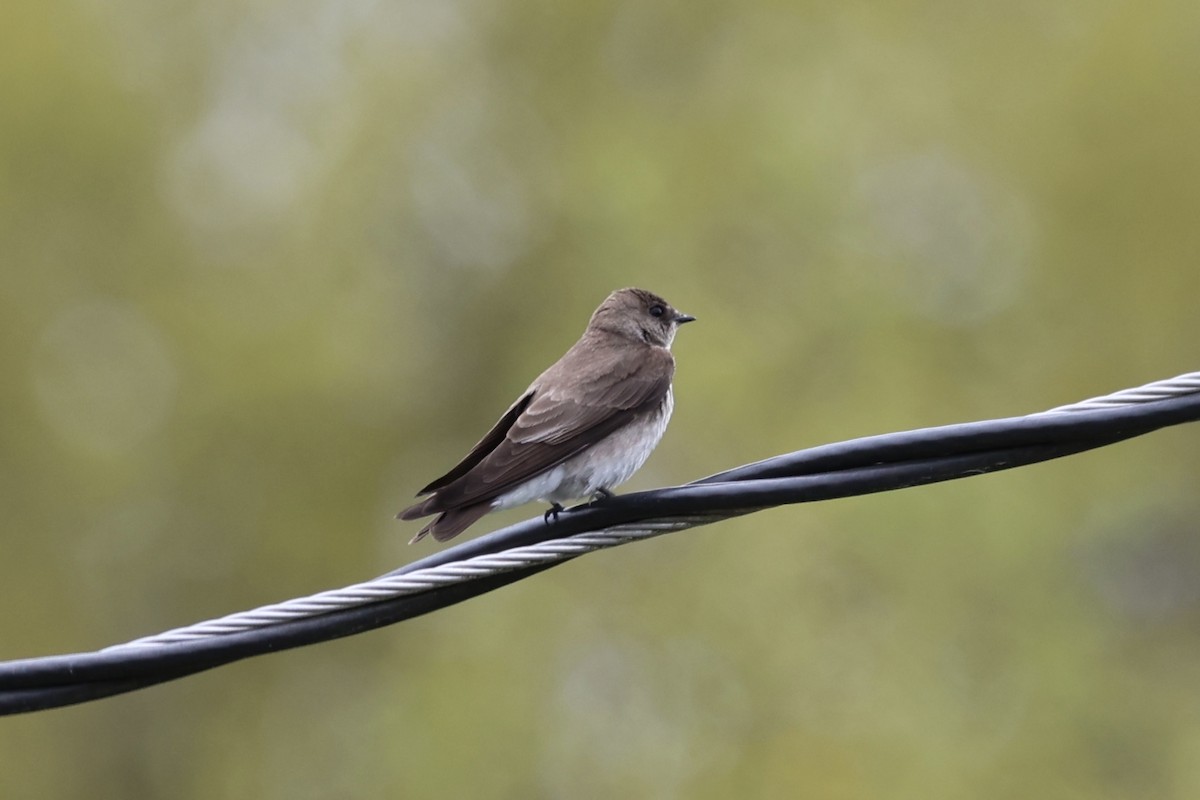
(555, 420)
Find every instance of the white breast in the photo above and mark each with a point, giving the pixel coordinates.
(605, 465)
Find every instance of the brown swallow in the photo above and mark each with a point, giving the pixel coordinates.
(584, 426)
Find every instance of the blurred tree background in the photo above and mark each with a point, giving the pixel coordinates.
(266, 268)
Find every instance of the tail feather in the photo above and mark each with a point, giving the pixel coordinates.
(422, 509)
(449, 523)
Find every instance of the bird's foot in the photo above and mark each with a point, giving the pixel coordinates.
(553, 511)
(602, 494)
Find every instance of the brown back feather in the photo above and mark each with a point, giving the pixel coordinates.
(585, 396)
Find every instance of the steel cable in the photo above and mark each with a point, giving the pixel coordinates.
(859, 466)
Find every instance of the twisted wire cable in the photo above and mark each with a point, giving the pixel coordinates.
(1187, 383)
(474, 567)
(553, 550)
(399, 585)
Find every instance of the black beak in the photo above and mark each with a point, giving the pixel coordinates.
(682, 318)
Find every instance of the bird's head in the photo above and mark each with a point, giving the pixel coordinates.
(640, 315)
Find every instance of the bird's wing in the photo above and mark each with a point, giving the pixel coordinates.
(561, 418)
(484, 446)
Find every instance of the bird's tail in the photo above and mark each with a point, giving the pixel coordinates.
(421, 509)
(447, 524)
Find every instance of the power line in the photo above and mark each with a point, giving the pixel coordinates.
(844, 469)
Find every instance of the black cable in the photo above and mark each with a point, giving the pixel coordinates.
(859, 466)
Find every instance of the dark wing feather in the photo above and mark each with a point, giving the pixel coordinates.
(484, 446)
(574, 404)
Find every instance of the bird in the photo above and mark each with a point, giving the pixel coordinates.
(583, 427)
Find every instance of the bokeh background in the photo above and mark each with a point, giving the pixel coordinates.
(268, 267)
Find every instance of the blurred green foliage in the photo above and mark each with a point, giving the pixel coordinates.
(266, 268)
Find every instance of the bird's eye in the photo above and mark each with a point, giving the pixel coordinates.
(657, 311)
